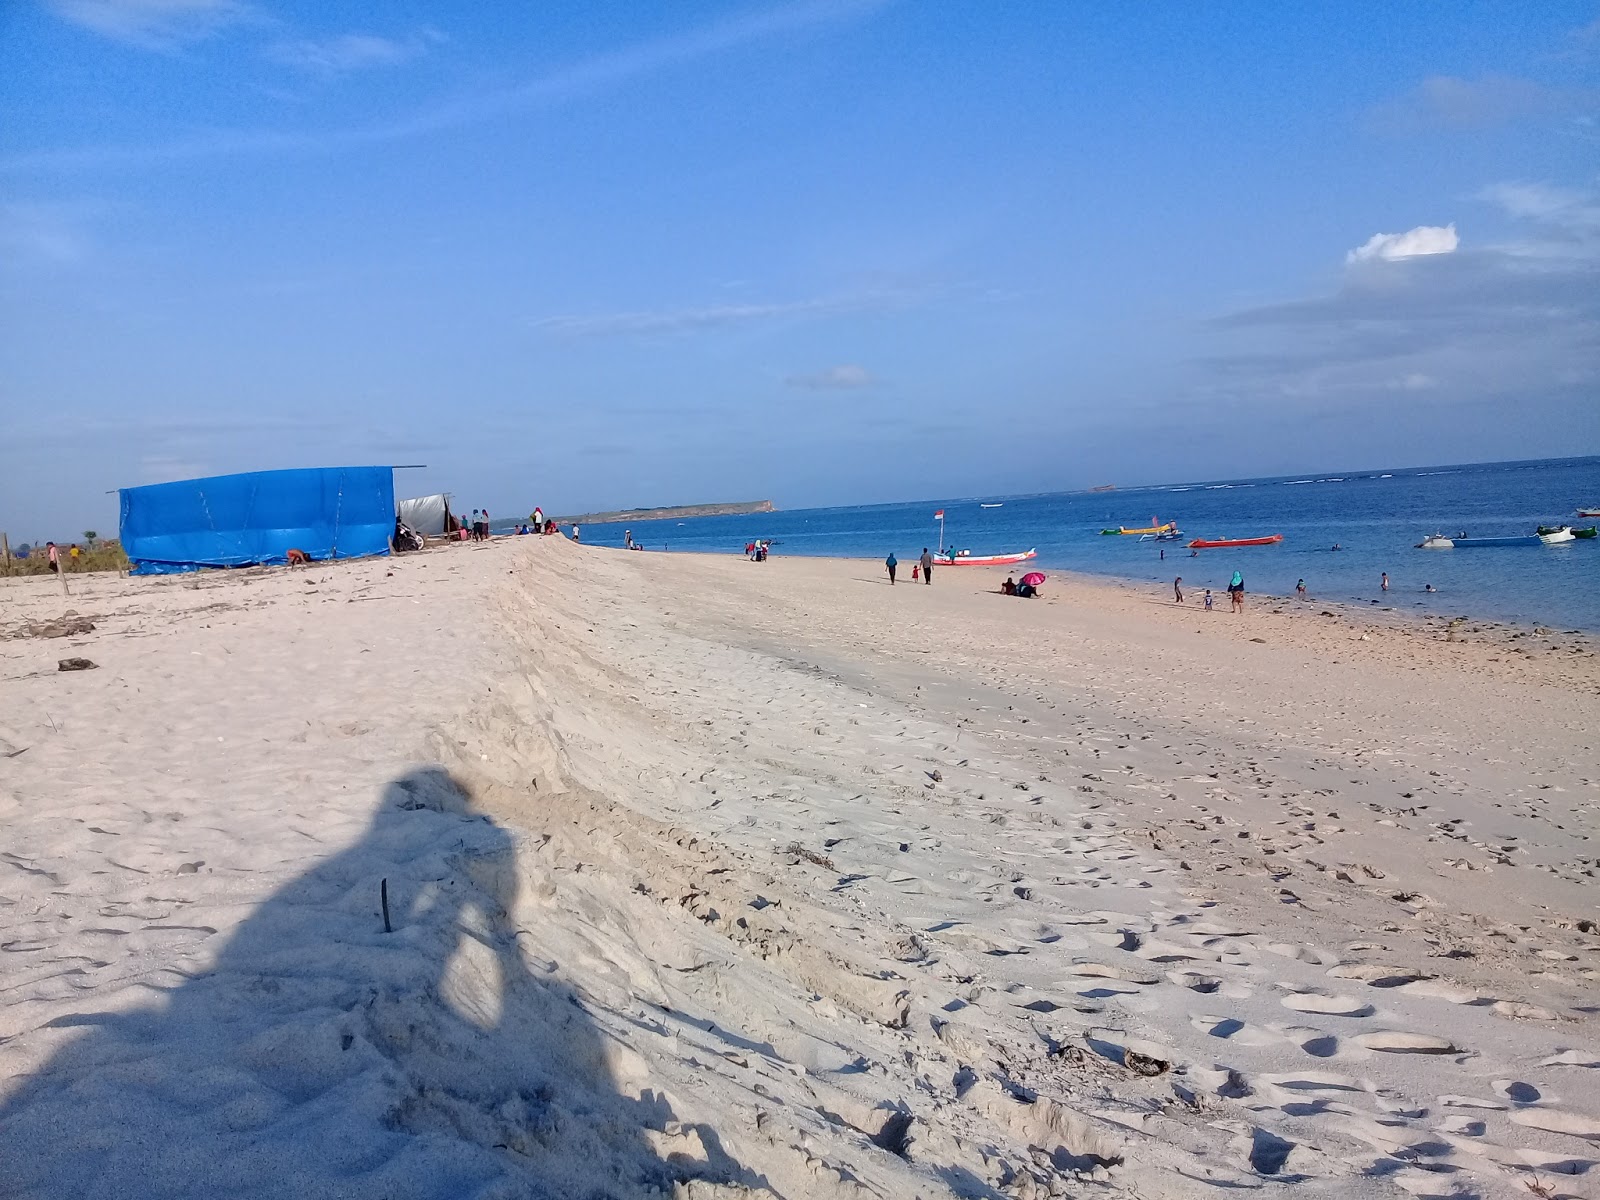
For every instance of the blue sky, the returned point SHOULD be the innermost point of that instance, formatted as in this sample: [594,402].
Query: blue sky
[600,254]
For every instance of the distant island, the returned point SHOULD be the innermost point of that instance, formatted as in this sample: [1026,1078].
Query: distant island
[678,512]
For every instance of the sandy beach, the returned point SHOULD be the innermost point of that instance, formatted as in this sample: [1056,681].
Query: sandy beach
[709,878]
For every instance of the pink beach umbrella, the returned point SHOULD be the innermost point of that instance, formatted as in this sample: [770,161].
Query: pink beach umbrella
[1033,578]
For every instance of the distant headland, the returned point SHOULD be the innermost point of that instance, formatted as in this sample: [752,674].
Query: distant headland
[677,512]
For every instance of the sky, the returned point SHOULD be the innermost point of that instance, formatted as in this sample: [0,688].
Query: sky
[594,254]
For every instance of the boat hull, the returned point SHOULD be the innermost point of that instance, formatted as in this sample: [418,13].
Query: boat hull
[1531,539]
[1224,543]
[985,560]
[1589,512]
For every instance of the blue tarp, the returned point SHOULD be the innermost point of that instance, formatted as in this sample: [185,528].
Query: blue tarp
[236,520]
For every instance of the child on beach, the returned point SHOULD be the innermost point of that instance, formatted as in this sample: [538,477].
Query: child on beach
[1208,599]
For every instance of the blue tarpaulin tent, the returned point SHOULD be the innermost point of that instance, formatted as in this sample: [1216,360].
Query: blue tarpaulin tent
[236,520]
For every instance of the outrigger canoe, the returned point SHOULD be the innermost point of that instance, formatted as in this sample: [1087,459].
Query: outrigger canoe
[1219,543]
[983,560]
[1165,527]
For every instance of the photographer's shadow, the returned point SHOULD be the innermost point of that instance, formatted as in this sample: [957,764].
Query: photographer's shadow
[323,1056]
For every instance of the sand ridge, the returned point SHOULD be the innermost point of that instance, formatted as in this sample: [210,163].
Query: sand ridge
[769,880]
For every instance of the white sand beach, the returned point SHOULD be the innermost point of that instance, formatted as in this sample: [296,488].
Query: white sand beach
[709,878]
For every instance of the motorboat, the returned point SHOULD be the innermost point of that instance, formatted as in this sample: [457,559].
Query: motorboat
[1437,542]
[1221,543]
[1556,536]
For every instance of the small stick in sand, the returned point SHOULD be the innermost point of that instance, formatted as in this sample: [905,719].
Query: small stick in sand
[383,893]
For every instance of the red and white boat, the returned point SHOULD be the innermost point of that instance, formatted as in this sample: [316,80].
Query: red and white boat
[1218,543]
[983,560]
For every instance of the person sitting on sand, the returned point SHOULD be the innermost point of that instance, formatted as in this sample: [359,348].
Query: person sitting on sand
[1009,587]
[1027,591]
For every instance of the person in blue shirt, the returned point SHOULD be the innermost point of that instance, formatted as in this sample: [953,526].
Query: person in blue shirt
[891,562]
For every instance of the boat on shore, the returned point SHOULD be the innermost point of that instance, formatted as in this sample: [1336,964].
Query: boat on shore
[1222,543]
[965,559]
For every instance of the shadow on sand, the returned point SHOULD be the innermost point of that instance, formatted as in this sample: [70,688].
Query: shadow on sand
[321,1056]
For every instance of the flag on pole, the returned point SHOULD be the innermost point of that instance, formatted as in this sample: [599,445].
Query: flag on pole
[939,516]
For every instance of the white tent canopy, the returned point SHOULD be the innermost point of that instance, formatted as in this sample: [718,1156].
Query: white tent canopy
[428,515]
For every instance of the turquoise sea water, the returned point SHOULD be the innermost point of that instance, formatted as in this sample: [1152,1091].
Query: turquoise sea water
[1376,516]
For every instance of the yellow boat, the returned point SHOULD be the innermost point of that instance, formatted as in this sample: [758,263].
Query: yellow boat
[1168,527]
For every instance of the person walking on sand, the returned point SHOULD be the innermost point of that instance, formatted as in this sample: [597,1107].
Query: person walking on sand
[1236,593]
[1177,590]
[926,563]
[74,554]
[53,552]
[1384,586]
[576,535]
[1300,589]
[891,562]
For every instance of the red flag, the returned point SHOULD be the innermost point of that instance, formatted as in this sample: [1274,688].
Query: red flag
[939,516]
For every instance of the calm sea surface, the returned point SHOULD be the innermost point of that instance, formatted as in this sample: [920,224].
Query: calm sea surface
[1376,516]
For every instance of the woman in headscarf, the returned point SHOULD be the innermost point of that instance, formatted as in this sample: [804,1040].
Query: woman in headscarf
[1236,592]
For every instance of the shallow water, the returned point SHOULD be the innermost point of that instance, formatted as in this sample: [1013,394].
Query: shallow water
[1376,516]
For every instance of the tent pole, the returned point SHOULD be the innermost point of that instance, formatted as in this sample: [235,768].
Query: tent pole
[6,542]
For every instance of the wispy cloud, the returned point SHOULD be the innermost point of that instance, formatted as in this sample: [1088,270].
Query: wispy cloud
[585,77]
[840,378]
[691,320]
[349,52]
[1424,239]
[42,232]
[153,24]
[1450,102]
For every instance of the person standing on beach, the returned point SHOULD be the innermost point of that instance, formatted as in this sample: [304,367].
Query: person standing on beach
[1300,589]
[54,554]
[891,562]
[486,524]
[538,519]
[74,554]
[627,538]
[1236,593]
[576,536]
[1177,590]
[926,563]
[1384,586]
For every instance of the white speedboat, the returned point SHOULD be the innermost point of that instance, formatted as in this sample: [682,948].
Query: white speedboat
[1437,542]
[1556,536]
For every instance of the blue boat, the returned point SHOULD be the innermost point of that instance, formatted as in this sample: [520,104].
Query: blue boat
[1532,539]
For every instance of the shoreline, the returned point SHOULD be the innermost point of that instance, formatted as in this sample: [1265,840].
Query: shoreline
[1495,633]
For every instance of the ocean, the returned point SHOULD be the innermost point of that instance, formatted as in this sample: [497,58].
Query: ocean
[1377,517]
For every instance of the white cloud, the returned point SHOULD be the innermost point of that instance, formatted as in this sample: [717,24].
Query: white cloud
[840,378]
[1424,239]
[348,52]
[153,24]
